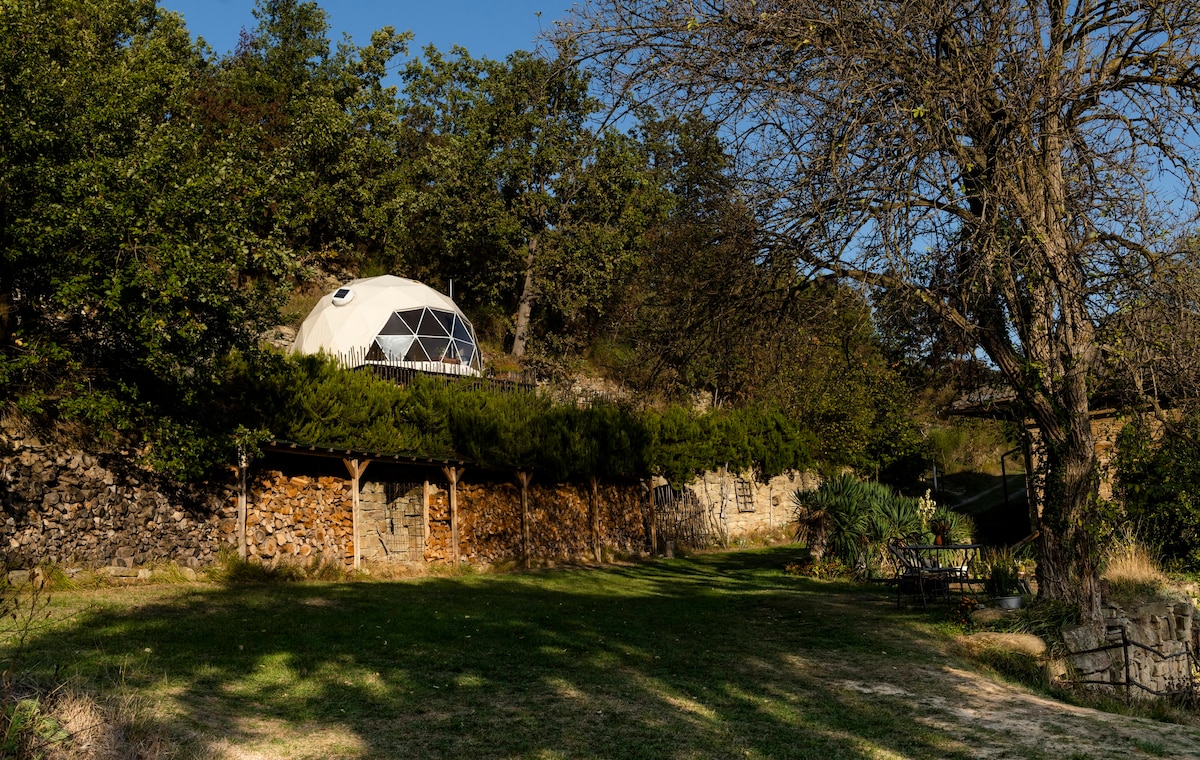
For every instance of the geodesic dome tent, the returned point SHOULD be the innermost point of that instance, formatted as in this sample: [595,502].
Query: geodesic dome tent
[394,322]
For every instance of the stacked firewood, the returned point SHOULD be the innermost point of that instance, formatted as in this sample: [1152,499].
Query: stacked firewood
[299,517]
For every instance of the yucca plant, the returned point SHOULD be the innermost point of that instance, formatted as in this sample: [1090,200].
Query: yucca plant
[855,520]
[832,516]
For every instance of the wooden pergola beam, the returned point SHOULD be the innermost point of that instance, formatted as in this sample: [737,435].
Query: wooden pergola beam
[453,474]
[356,468]
[523,478]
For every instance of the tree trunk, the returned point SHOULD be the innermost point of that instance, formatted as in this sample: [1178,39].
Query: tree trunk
[525,305]
[1068,560]
[6,307]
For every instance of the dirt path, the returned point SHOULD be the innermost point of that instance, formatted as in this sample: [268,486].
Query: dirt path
[1006,721]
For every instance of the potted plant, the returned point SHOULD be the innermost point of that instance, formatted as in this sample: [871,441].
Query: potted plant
[1003,582]
[940,527]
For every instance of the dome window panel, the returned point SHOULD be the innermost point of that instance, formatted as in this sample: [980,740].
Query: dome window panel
[435,348]
[396,326]
[395,347]
[445,318]
[412,318]
[466,351]
[416,353]
[430,325]
[462,331]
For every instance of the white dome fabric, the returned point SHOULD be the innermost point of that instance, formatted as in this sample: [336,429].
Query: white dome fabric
[391,321]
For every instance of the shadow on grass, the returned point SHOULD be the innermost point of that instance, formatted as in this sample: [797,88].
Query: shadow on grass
[711,656]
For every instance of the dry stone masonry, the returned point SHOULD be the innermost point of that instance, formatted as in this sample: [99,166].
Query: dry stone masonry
[65,506]
[1144,646]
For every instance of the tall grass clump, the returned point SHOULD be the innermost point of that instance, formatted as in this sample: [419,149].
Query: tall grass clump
[1132,570]
[230,569]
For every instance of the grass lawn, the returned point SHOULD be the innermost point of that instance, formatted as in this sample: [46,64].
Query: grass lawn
[712,656]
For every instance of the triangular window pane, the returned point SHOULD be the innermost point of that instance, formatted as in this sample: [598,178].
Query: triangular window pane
[466,351]
[430,325]
[395,346]
[416,353]
[446,318]
[435,348]
[462,331]
[396,326]
[412,318]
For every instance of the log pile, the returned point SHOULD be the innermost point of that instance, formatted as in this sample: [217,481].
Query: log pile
[560,523]
[438,542]
[62,505]
[65,506]
[624,518]
[299,518]
[491,522]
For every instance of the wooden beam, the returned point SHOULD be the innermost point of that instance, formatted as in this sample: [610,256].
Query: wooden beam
[594,503]
[523,478]
[356,468]
[653,521]
[452,474]
[425,520]
[243,466]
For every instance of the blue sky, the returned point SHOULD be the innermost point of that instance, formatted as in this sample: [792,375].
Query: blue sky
[486,28]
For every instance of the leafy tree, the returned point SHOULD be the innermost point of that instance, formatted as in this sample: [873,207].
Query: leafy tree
[510,194]
[154,204]
[989,161]
[1157,473]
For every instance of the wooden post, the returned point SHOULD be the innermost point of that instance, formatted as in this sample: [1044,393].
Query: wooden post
[523,478]
[653,521]
[356,468]
[595,505]
[425,519]
[770,505]
[453,474]
[243,465]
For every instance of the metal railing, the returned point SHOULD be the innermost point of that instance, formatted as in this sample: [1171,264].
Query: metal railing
[1182,688]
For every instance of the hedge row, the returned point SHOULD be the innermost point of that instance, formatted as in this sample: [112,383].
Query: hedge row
[315,402]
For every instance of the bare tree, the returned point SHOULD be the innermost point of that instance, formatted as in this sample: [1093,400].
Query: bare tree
[1012,164]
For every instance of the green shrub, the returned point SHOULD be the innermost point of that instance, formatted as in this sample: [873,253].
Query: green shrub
[1001,572]
[855,520]
[315,402]
[1158,479]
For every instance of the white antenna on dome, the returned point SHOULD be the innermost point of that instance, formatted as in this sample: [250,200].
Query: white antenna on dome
[451,288]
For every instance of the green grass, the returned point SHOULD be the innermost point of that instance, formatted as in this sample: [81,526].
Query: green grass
[710,656]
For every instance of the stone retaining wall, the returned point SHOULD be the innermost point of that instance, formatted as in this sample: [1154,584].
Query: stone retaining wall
[65,506]
[69,507]
[1166,627]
